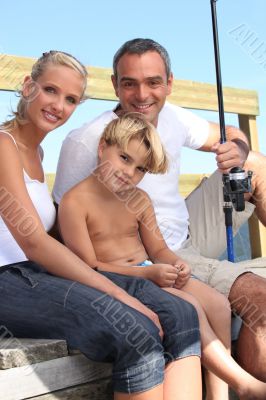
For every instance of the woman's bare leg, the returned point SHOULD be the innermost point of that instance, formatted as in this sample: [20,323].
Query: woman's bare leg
[216,358]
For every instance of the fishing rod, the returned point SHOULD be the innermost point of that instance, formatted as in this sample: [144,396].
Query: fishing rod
[237,181]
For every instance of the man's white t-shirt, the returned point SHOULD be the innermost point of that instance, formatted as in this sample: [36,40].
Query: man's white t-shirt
[177,127]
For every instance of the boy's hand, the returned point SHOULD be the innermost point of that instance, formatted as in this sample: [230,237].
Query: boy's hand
[184,273]
[164,275]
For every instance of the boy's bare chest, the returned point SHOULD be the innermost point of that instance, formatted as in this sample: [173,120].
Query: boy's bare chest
[112,220]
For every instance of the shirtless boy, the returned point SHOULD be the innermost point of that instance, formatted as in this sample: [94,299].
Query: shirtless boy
[111,225]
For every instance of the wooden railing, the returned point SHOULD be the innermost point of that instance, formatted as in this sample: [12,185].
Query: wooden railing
[189,94]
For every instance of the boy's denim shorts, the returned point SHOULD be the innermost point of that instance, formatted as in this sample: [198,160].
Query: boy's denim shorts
[37,304]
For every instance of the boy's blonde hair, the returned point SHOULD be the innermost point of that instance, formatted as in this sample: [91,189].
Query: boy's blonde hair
[128,126]
[54,58]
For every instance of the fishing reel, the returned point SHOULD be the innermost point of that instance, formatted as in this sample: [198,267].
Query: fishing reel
[235,185]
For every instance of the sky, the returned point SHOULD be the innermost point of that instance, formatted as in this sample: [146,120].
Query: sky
[93,30]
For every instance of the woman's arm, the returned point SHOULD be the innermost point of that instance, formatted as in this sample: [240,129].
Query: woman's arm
[37,245]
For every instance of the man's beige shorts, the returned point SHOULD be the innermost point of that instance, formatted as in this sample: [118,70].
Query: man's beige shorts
[208,237]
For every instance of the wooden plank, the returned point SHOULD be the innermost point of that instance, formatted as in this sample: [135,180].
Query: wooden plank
[186,93]
[16,352]
[203,96]
[48,376]
[257,237]
[100,390]
[50,181]
[189,182]
[12,71]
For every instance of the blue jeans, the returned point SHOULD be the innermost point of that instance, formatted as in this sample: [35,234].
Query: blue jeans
[37,304]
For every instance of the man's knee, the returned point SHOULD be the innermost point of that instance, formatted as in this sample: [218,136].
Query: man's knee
[247,298]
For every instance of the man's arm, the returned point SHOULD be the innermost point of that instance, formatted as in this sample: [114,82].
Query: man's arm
[231,154]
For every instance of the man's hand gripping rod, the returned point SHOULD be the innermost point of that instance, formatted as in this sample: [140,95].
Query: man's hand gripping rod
[237,182]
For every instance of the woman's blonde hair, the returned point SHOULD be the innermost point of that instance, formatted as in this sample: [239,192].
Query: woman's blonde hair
[128,126]
[52,57]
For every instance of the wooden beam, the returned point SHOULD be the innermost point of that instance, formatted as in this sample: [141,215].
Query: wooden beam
[189,94]
[48,376]
[189,182]
[203,96]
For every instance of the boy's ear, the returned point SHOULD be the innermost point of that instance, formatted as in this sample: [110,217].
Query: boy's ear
[101,147]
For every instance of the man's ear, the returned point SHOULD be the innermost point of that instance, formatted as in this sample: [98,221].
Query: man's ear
[170,84]
[114,82]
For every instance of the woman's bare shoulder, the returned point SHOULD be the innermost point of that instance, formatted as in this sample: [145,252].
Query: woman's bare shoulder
[6,137]
[10,161]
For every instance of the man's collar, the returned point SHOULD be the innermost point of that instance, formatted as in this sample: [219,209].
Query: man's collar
[117,108]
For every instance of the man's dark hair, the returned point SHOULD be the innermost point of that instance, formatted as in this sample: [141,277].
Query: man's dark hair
[141,46]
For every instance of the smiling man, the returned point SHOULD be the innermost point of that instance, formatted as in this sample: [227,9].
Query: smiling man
[142,84]
[194,228]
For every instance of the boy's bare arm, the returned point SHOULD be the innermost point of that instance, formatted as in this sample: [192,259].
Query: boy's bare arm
[151,236]
[160,253]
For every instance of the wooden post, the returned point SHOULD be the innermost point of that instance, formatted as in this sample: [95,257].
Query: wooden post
[257,231]
[248,124]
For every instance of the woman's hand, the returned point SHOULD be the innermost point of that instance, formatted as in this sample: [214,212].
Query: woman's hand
[137,305]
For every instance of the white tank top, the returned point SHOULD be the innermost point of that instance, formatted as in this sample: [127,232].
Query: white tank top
[10,252]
